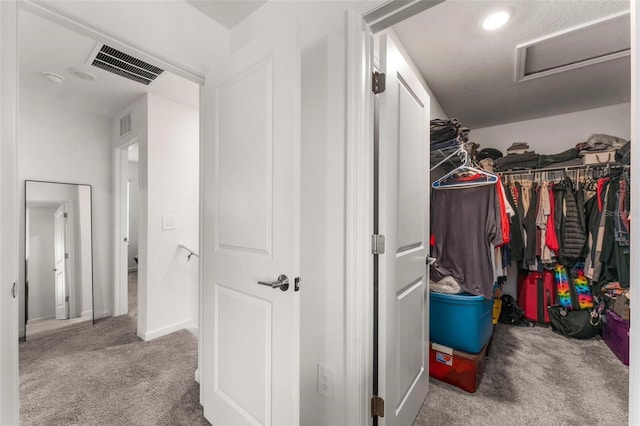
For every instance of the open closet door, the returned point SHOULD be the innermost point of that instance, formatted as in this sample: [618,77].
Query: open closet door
[251,232]
[403,218]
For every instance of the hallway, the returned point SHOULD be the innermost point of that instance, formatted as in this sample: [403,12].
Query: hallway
[103,374]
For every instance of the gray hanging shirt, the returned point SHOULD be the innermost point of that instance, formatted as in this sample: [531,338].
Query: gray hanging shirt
[463,223]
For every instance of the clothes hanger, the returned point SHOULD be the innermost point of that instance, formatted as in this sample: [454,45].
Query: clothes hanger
[477,177]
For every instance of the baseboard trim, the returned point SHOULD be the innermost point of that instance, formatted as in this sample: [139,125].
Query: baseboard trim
[159,332]
[197,375]
[105,314]
[40,319]
[194,330]
[88,313]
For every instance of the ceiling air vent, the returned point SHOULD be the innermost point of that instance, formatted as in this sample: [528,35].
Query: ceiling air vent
[125,124]
[588,44]
[117,62]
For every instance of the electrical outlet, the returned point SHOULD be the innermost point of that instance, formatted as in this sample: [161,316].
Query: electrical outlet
[325,381]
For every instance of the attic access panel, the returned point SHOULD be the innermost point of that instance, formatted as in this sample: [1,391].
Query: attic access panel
[124,65]
[588,44]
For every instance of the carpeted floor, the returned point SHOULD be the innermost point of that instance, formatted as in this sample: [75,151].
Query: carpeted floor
[536,377]
[103,374]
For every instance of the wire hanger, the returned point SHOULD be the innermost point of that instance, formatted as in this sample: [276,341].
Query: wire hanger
[477,177]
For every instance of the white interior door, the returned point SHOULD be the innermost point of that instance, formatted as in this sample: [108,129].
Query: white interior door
[250,161]
[60,250]
[403,218]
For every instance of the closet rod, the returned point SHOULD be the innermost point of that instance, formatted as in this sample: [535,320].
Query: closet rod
[566,169]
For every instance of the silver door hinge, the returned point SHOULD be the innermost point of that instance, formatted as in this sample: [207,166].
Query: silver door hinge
[378,82]
[66,298]
[296,284]
[66,215]
[377,244]
[377,407]
[66,255]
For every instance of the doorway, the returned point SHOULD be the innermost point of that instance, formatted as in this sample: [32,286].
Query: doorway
[77,102]
[133,194]
[377,26]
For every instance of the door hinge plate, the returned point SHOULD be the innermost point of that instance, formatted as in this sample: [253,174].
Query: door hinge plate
[377,244]
[296,285]
[377,407]
[66,255]
[378,82]
[66,298]
[66,215]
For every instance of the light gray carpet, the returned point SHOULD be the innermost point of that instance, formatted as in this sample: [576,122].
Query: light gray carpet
[536,377]
[103,374]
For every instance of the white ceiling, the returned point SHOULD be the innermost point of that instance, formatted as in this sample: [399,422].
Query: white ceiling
[227,12]
[48,47]
[471,71]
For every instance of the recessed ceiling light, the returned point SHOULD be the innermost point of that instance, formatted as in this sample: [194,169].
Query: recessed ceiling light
[54,78]
[83,74]
[496,20]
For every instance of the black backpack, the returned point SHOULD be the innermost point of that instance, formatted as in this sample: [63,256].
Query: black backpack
[513,314]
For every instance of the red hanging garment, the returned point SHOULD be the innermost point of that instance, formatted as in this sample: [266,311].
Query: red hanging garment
[551,239]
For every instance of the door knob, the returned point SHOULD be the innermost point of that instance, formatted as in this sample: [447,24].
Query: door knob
[282,283]
[54,269]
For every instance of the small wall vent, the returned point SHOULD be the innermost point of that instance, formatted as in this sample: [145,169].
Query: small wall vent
[588,44]
[125,124]
[117,62]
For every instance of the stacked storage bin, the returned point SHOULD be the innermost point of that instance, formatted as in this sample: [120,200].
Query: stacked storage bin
[616,335]
[460,326]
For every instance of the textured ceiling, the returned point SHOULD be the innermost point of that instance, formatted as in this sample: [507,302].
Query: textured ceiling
[471,71]
[48,47]
[227,12]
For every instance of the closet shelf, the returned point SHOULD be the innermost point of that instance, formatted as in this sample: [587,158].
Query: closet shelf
[450,155]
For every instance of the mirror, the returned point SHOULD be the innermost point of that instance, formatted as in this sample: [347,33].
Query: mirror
[58,256]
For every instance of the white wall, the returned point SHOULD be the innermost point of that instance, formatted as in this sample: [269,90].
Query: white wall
[67,146]
[168,137]
[41,263]
[172,189]
[134,186]
[322,224]
[551,135]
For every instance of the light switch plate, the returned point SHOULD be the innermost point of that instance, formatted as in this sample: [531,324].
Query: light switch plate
[168,222]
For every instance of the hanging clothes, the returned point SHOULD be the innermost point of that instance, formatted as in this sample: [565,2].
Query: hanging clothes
[529,191]
[551,238]
[464,225]
[516,246]
[573,235]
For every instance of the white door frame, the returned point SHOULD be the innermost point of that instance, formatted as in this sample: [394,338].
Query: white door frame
[9,211]
[9,194]
[120,178]
[363,20]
